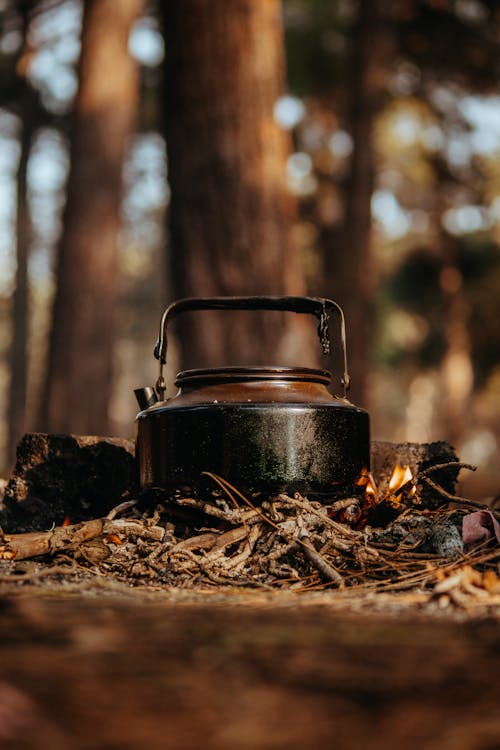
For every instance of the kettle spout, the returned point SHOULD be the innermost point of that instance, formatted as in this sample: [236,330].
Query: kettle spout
[146,396]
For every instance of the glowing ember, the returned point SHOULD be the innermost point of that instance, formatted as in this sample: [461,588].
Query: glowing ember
[354,511]
[366,480]
[371,490]
[113,538]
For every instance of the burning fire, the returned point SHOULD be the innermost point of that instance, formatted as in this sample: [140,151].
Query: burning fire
[400,476]
[366,480]
[67,521]
[357,511]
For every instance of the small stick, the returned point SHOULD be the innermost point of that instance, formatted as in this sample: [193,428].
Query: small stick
[324,568]
[230,537]
[233,516]
[202,541]
[448,465]
[449,496]
[338,544]
[281,551]
[237,560]
[341,504]
[228,488]
[133,528]
[120,508]
[204,567]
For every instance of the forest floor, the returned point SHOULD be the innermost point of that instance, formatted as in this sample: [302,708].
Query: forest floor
[90,662]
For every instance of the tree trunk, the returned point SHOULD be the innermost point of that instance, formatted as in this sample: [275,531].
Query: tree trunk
[79,377]
[18,349]
[457,375]
[18,355]
[229,212]
[348,258]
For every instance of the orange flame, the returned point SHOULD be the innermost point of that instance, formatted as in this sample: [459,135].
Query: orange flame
[67,521]
[366,480]
[399,477]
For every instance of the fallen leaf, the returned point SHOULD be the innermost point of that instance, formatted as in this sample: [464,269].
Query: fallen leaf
[479,526]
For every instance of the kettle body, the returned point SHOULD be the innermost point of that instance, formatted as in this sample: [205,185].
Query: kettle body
[262,429]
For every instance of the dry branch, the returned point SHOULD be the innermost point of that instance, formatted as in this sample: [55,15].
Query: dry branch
[38,543]
[326,571]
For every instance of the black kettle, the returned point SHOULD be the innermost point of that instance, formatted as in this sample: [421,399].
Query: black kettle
[264,429]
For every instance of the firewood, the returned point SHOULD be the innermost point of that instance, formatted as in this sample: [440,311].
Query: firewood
[56,476]
[38,543]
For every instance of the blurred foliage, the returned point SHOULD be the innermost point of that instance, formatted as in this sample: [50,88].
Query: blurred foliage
[432,55]
[414,288]
[480,265]
[317,35]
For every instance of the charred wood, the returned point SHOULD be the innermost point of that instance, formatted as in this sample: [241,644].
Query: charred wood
[56,476]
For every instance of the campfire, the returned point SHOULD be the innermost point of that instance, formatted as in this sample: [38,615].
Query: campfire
[254,477]
[394,538]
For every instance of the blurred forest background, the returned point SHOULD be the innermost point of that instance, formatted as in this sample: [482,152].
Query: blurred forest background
[329,147]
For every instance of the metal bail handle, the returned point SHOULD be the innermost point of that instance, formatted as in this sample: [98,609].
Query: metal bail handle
[317,306]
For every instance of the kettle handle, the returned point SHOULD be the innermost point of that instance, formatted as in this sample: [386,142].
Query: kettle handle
[317,306]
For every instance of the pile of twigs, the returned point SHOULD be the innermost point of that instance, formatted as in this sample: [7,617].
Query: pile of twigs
[278,542]
[296,543]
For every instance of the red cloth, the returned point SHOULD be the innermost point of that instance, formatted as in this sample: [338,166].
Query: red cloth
[479,526]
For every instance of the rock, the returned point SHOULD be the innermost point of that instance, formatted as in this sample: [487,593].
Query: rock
[56,476]
[445,537]
[434,534]
[418,456]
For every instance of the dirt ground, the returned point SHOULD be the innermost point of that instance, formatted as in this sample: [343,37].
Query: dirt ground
[121,669]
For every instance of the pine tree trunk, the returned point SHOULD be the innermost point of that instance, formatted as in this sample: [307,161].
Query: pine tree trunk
[18,355]
[18,359]
[79,377]
[457,374]
[348,258]
[229,211]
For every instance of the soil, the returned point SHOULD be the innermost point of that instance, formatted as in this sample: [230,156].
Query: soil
[108,667]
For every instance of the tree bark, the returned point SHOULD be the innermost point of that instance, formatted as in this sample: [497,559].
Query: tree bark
[348,270]
[18,355]
[457,374]
[79,377]
[18,359]
[229,211]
